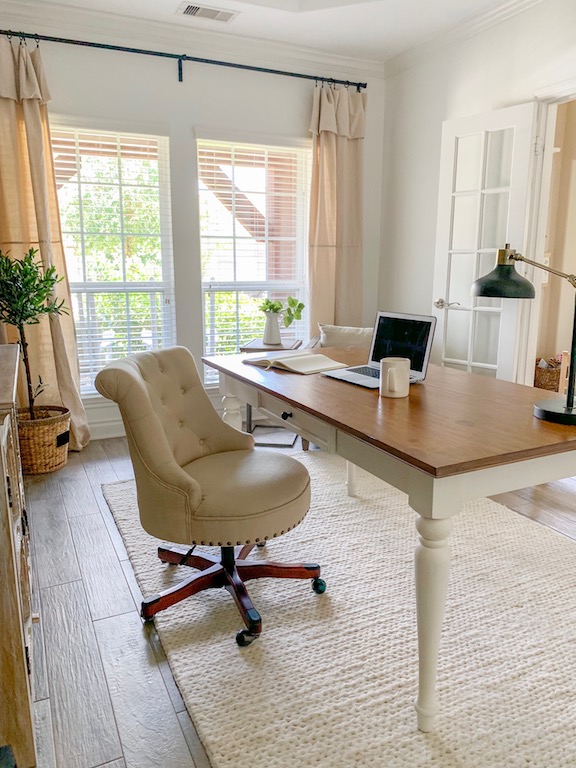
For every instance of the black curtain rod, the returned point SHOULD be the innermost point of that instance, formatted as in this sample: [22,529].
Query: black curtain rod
[180,58]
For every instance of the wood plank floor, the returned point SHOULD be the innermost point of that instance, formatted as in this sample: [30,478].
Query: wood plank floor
[104,692]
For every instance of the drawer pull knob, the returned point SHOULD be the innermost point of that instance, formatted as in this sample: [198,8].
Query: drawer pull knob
[286,415]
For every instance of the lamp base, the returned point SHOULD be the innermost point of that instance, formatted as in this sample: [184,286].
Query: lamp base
[556,411]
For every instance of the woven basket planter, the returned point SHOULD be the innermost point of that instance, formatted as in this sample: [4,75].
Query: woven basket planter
[43,440]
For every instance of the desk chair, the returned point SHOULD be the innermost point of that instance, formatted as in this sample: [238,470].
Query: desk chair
[199,481]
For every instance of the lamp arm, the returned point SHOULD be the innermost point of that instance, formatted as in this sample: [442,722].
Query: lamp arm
[518,257]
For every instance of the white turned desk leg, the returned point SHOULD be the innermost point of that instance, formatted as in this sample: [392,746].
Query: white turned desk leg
[232,414]
[350,478]
[432,564]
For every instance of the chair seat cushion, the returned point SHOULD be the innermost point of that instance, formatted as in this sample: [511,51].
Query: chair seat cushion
[247,496]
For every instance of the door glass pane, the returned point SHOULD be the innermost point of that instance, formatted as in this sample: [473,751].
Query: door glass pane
[491,372]
[461,277]
[468,162]
[494,220]
[485,341]
[457,331]
[499,158]
[486,263]
[465,215]
[456,366]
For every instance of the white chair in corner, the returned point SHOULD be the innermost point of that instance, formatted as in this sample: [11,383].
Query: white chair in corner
[343,336]
[199,481]
[564,369]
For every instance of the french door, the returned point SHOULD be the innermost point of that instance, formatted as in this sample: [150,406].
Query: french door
[486,166]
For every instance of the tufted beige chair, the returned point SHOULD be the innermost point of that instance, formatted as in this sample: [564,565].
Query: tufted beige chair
[199,481]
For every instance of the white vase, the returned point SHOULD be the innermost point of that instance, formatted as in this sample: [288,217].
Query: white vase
[272,329]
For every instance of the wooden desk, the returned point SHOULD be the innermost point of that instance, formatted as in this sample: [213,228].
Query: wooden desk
[457,437]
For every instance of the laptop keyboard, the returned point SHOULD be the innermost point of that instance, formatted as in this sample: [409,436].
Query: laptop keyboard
[366,370]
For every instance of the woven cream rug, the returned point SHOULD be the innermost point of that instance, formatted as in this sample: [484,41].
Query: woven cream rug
[332,680]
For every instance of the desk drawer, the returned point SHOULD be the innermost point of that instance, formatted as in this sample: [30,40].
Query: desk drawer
[316,431]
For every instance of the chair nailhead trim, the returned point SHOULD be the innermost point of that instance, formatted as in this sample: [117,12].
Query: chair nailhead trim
[248,541]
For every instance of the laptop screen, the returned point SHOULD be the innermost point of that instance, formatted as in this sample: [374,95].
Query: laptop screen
[401,335]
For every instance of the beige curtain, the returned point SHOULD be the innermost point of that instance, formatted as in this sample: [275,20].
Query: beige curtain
[336,211]
[29,218]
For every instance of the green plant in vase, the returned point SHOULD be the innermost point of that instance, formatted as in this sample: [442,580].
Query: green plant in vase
[274,310]
[26,294]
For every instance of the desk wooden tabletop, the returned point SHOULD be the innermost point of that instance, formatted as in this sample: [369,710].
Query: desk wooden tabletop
[453,422]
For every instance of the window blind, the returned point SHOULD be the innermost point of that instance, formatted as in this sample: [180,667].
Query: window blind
[114,198]
[253,228]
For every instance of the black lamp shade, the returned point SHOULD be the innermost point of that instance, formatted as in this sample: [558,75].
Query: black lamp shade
[503,283]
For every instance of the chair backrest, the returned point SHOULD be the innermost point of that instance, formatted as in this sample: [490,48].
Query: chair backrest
[169,422]
[345,336]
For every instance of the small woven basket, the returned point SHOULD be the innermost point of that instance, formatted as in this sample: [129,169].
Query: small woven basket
[43,440]
[547,378]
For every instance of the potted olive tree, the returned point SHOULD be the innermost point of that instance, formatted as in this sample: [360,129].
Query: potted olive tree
[26,294]
[276,310]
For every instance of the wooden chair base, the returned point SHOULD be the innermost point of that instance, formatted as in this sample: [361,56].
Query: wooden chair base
[230,571]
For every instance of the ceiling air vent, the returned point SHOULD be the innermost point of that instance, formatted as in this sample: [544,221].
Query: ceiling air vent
[204,12]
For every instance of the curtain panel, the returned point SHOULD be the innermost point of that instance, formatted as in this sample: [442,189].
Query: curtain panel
[29,218]
[336,208]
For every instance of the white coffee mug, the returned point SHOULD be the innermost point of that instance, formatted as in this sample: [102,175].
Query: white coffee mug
[394,376]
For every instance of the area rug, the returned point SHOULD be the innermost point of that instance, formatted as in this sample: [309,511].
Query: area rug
[273,437]
[332,680]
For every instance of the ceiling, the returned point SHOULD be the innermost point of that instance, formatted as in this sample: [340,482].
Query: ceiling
[370,30]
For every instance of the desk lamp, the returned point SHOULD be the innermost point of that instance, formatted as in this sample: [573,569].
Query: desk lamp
[504,282]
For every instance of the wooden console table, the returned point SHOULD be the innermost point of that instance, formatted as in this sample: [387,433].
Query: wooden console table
[16,698]
[457,437]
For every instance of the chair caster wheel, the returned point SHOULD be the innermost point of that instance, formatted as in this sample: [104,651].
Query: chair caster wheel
[319,586]
[244,638]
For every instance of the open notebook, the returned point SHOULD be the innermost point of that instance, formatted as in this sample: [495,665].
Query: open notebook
[297,362]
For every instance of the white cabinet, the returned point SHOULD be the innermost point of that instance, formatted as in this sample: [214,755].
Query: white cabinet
[16,715]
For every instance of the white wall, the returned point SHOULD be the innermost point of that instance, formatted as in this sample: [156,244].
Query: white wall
[121,91]
[501,66]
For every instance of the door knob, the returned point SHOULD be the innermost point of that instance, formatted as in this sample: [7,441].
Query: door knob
[442,303]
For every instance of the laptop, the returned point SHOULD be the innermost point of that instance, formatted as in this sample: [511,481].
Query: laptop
[395,335]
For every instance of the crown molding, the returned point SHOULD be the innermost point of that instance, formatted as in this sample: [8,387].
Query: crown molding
[562,91]
[457,34]
[95,26]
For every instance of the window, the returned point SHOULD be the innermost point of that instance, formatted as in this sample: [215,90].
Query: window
[253,228]
[114,197]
